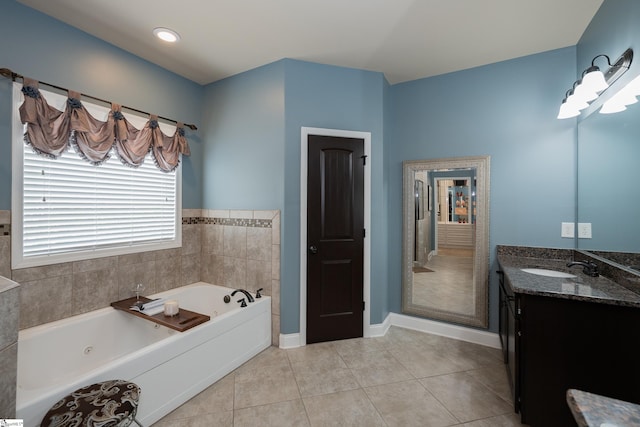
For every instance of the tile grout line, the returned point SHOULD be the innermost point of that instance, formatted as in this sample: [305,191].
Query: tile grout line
[233,400]
[306,412]
[364,390]
[460,422]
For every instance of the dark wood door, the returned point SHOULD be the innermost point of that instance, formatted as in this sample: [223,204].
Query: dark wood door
[335,235]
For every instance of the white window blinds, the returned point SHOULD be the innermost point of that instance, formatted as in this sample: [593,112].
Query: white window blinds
[68,209]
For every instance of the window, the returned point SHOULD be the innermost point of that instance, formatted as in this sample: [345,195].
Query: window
[66,209]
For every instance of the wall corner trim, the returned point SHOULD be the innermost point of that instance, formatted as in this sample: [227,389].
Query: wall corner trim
[379,329]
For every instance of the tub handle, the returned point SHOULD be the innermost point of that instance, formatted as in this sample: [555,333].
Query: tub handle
[258,293]
[243,302]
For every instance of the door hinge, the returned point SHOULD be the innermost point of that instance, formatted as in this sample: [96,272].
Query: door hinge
[364,232]
[364,160]
[363,305]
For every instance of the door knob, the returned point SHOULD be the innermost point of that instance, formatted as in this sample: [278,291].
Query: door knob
[313,249]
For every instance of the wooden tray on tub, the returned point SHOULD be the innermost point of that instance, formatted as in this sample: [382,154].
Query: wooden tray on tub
[181,322]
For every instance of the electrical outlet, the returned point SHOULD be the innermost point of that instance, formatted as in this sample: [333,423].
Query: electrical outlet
[584,230]
[568,230]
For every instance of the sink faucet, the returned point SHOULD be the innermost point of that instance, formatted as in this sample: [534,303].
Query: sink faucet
[247,294]
[588,267]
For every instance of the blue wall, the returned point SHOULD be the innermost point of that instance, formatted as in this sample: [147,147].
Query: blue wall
[508,111]
[335,98]
[243,120]
[48,50]
[252,153]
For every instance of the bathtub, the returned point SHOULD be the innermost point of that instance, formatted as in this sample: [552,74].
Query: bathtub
[169,366]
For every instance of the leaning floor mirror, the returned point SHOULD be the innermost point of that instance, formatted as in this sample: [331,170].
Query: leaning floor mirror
[446,239]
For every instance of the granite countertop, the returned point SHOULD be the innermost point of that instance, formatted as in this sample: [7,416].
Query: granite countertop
[582,287]
[592,410]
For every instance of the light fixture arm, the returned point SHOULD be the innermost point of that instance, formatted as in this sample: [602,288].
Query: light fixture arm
[602,55]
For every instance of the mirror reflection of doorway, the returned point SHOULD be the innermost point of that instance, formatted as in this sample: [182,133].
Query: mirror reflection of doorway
[445,242]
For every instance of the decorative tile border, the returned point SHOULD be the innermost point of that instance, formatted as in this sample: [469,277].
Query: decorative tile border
[5,229]
[236,222]
[192,220]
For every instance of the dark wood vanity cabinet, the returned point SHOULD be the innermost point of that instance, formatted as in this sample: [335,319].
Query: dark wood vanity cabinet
[564,343]
[508,337]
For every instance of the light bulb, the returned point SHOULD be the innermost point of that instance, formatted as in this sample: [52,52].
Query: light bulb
[611,107]
[626,96]
[583,93]
[567,111]
[594,81]
[576,102]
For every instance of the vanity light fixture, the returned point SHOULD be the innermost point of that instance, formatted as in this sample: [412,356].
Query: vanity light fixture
[592,83]
[166,34]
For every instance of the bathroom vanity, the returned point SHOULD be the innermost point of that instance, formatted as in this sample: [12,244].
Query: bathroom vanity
[564,333]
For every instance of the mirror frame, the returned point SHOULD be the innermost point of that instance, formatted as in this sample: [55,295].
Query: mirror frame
[480,316]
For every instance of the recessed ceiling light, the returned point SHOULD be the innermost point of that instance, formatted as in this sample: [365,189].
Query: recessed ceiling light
[166,34]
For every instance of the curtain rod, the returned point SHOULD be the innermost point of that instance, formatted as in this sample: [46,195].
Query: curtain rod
[5,72]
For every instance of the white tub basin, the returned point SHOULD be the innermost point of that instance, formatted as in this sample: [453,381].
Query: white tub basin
[548,273]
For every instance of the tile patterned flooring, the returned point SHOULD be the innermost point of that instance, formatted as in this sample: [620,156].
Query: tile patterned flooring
[405,378]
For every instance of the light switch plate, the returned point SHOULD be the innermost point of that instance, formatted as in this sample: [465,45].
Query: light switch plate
[568,230]
[584,230]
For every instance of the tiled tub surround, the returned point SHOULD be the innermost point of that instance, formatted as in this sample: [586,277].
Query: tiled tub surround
[604,289]
[9,315]
[234,248]
[241,249]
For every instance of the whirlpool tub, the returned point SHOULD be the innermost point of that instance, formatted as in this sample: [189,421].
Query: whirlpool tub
[169,366]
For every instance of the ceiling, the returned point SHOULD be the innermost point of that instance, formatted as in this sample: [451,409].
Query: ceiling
[404,39]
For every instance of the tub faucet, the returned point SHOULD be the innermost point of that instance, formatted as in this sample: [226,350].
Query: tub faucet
[247,294]
[588,267]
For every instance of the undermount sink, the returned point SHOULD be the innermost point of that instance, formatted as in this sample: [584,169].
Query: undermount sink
[548,273]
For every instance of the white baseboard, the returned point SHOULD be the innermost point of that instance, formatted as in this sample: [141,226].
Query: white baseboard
[290,340]
[448,330]
[380,329]
[294,340]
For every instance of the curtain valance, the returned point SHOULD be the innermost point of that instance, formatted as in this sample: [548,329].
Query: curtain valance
[49,132]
